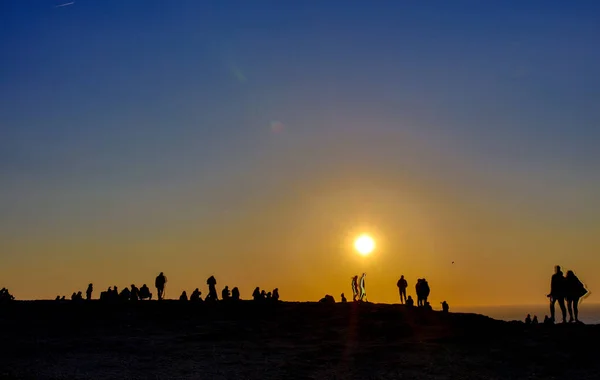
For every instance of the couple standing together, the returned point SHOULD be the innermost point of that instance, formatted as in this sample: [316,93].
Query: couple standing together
[569,288]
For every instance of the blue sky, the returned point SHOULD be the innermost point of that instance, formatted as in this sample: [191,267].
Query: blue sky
[123,120]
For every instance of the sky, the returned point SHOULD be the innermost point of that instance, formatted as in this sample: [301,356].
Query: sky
[255,140]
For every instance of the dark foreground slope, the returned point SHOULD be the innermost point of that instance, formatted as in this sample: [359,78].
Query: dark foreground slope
[43,340]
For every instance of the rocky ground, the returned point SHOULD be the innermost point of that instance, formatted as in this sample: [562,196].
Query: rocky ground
[173,340]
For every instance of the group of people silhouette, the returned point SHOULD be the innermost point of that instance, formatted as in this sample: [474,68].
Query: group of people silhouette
[562,288]
[422,290]
[143,293]
[568,288]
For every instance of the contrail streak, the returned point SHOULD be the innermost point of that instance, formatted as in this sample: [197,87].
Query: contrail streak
[65,4]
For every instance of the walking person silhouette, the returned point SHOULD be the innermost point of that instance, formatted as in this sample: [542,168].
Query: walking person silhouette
[363,290]
[160,283]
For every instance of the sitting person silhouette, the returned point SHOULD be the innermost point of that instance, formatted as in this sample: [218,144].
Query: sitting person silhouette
[145,292]
[125,295]
[327,299]
[275,294]
[535,320]
[196,295]
[256,294]
[410,302]
[343,297]
[235,294]
[183,296]
[135,293]
[212,289]
[225,294]
[445,307]
[528,319]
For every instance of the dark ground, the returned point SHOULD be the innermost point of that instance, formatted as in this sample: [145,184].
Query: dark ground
[170,340]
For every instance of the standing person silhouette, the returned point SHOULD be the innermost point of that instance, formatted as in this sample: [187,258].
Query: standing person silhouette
[363,290]
[402,285]
[558,293]
[574,290]
[160,283]
[88,292]
[354,288]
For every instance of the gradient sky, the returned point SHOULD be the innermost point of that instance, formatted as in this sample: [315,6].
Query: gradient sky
[253,140]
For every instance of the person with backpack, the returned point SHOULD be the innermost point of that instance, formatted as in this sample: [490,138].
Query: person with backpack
[574,290]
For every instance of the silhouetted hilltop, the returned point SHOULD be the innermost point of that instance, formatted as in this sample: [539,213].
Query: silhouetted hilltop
[171,339]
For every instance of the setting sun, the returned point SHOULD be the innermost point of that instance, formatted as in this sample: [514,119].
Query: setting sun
[364,244]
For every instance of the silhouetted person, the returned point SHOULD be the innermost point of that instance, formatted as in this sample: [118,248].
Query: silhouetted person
[363,288]
[235,294]
[160,283]
[74,296]
[445,307]
[5,295]
[196,295]
[125,295]
[263,295]
[427,306]
[107,295]
[114,295]
[57,298]
[574,290]
[145,292]
[212,289]
[419,291]
[410,302]
[535,320]
[256,294]
[135,293]
[343,297]
[275,294]
[183,296]
[528,319]
[426,290]
[355,290]
[225,294]
[64,298]
[557,293]
[548,320]
[402,285]
[89,291]
[327,299]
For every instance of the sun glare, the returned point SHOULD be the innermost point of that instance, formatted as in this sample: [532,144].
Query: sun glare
[364,244]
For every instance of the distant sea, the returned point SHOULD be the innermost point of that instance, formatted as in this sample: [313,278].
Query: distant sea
[589,313]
